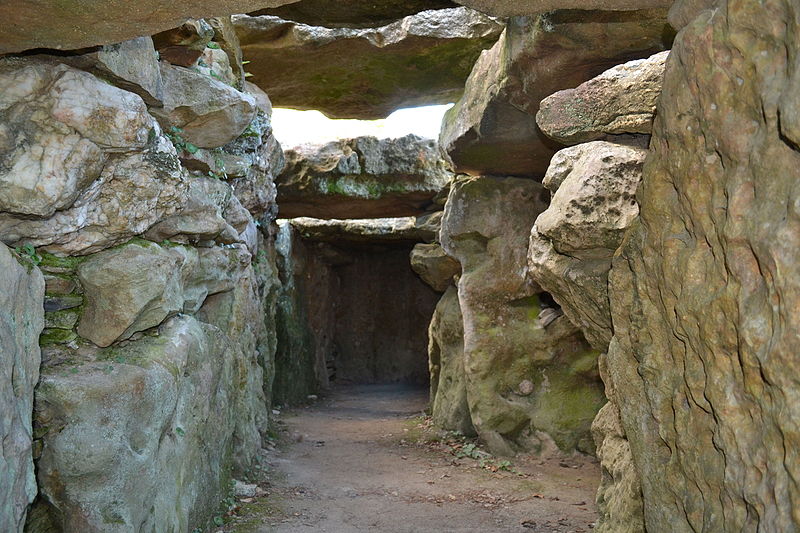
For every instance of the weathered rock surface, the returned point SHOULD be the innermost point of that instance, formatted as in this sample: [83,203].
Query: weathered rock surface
[511,8]
[434,266]
[247,316]
[184,45]
[21,322]
[572,243]
[209,112]
[363,177]
[136,287]
[132,193]
[305,327]
[60,25]
[683,12]
[366,231]
[58,127]
[212,213]
[492,129]
[334,323]
[350,73]
[131,65]
[704,289]
[619,496]
[486,227]
[261,161]
[620,100]
[449,404]
[153,448]
[352,14]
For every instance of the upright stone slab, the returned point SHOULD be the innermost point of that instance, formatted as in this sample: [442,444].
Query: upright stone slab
[705,289]
[449,404]
[21,322]
[531,383]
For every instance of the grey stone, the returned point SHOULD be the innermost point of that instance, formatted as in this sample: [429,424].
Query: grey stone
[363,177]
[21,322]
[208,112]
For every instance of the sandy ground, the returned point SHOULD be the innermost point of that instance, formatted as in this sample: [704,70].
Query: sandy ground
[365,459]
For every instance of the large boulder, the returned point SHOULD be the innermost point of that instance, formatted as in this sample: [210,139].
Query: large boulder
[362,178]
[139,437]
[65,26]
[511,8]
[352,14]
[620,100]
[21,322]
[136,287]
[207,112]
[492,129]
[573,241]
[58,126]
[530,381]
[365,73]
[704,290]
[448,397]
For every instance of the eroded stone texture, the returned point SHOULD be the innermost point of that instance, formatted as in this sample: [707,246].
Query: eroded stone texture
[486,227]
[434,266]
[704,290]
[511,8]
[449,405]
[352,14]
[131,65]
[573,241]
[363,177]
[620,100]
[212,213]
[365,231]
[368,73]
[184,45]
[21,322]
[57,128]
[209,112]
[247,316]
[153,448]
[64,26]
[132,193]
[492,129]
[136,287]
[262,160]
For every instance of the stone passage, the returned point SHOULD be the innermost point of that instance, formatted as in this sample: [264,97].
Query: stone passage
[596,261]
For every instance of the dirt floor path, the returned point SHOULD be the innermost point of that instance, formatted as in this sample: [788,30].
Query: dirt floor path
[366,459]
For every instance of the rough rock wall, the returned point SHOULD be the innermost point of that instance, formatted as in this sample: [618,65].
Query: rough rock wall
[703,291]
[353,312]
[134,186]
[21,322]
[383,310]
[306,322]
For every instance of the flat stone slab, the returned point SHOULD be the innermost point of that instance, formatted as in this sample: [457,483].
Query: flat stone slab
[363,177]
[423,59]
